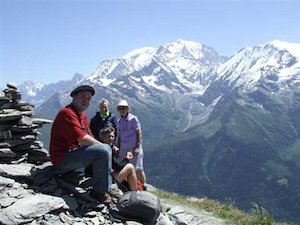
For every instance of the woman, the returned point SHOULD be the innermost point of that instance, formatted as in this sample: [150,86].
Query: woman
[130,139]
[103,118]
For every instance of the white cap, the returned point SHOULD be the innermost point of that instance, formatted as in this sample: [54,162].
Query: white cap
[123,103]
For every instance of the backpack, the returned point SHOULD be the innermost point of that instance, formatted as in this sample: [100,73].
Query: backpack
[140,206]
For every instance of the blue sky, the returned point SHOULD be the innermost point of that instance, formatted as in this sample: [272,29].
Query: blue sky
[51,40]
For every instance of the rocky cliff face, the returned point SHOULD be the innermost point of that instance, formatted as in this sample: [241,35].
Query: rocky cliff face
[31,194]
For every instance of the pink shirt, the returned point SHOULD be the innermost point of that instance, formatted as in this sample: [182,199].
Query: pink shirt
[127,129]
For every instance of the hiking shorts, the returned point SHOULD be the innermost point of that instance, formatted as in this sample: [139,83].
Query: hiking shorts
[137,160]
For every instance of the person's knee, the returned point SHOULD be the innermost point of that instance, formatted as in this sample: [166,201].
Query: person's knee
[103,150]
[130,167]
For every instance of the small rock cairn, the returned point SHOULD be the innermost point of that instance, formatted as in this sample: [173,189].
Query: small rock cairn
[31,194]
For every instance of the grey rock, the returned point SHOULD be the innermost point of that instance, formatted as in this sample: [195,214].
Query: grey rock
[5,202]
[41,121]
[27,137]
[24,129]
[7,153]
[176,210]
[6,182]
[25,121]
[13,143]
[22,147]
[6,134]
[12,85]
[4,144]
[9,115]
[5,126]
[132,223]
[95,221]
[37,144]
[8,105]
[20,170]
[66,219]
[27,209]
[9,111]
[25,107]
[42,152]
[51,219]
[163,220]
[17,192]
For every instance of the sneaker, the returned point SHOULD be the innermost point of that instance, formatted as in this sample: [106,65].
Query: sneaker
[101,197]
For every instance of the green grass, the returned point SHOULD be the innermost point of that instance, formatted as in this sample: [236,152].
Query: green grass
[230,214]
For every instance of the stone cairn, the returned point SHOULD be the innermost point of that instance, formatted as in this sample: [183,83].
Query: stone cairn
[31,194]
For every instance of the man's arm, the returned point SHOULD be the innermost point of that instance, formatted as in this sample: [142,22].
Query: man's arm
[87,140]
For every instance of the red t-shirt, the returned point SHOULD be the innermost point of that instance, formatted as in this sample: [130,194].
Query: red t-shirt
[67,128]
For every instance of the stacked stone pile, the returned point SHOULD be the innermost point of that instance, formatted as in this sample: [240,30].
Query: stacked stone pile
[18,130]
[31,194]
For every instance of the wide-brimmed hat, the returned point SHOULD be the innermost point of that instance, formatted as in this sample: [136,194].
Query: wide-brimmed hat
[83,88]
[123,103]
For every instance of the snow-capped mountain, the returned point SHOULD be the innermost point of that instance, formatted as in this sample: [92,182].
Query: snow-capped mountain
[272,69]
[232,123]
[181,66]
[189,78]
[273,63]
[30,88]
[37,93]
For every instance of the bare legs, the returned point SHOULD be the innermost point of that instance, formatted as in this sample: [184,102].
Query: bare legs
[141,176]
[128,172]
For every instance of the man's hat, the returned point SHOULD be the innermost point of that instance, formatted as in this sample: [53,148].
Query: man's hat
[83,88]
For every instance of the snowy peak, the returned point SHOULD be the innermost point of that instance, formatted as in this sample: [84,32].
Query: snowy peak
[140,54]
[31,88]
[292,48]
[186,63]
[112,69]
[38,93]
[184,48]
[250,65]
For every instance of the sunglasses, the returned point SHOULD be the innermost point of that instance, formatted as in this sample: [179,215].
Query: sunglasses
[122,108]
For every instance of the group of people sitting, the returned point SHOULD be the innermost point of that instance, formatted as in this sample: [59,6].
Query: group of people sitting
[107,148]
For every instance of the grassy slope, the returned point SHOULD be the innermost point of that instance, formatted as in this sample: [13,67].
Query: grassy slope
[228,213]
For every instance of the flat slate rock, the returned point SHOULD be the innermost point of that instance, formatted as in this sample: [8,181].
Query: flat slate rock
[27,209]
[9,116]
[6,182]
[6,134]
[41,120]
[16,170]
[7,153]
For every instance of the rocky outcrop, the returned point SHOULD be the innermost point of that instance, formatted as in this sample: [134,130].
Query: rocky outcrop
[31,194]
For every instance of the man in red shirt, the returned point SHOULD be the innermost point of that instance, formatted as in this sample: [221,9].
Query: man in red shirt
[72,145]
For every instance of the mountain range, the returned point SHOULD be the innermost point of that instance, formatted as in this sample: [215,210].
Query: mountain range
[222,127]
